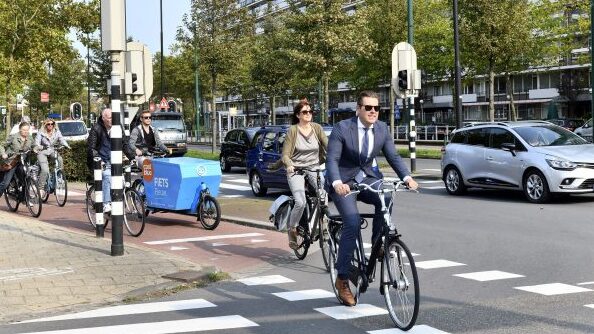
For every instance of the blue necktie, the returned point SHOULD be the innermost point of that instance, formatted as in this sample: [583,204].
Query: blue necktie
[364,147]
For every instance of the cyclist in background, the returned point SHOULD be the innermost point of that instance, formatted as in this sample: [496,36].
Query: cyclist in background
[304,147]
[15,143]
[47,136]
[145,139]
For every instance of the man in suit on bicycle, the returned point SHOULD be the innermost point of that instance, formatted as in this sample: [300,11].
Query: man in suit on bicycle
[352,148]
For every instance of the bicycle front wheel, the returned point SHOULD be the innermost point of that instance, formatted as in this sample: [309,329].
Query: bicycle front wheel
[61,188]
[32,198]
[133,212]
[12,196]
[400,284]
[209,212]
[324,236]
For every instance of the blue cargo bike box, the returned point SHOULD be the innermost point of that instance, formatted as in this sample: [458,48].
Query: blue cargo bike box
[175,183]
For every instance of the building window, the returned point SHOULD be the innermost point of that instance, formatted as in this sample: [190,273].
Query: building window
[436,90]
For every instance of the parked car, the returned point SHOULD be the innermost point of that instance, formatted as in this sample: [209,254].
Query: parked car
[585,130]
[265,149]
[234,148]
[73,130]
[536,157]
[568,123]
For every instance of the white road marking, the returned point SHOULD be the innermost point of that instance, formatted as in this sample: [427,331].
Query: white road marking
[431,181]
[304,295]
[553,289]
[165,327]
[483,276]
[432,169]
[213,237]
[219,244]
[75,193]
[177,248]
[589,305]
[265,280]
[23,273]
[244,181]
[401,252]
[586,283]
[346,312]
[419,329]
[256,241]
[132,309]
[231,196]
[433,187]
[433,264]
[234,187]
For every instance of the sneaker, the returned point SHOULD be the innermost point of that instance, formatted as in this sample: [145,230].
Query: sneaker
[293,238]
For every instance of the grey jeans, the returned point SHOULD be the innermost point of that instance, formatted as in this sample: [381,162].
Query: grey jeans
[297,186]
[43,159]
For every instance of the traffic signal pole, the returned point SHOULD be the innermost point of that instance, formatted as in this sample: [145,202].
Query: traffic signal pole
[411,99]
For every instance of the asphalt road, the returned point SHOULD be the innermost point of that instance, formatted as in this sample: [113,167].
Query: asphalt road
[489,262]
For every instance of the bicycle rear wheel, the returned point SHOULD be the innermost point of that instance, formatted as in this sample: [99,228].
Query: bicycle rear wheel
[209,212]
[302,239]
[133,212]
[61,188]
[12,195]
[400,284]
[90,207]
[32,198]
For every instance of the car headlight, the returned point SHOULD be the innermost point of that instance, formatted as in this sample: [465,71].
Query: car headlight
[561,164]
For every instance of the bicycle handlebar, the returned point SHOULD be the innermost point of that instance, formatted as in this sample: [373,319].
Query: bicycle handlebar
[386,187]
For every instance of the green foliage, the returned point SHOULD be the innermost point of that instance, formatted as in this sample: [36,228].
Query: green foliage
[75,161]
[202,155]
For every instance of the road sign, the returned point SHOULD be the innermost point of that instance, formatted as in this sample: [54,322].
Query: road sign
[151,106]
[163,104]
[3,110]
[44,97]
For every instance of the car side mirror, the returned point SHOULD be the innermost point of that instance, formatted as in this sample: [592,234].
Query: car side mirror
[510,147]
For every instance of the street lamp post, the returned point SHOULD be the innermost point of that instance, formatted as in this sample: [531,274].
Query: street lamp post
[458,81]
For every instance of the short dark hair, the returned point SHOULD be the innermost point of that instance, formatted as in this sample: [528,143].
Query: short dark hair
[23,124]
[297,109]
[145,112]
[366,93]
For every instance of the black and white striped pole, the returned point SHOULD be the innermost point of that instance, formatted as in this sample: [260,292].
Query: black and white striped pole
[113,40]
[98,177]
[412,134]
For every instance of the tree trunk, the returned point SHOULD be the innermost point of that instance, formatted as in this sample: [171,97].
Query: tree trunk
[326,106]
[213,112]
[491,94]
[272,110]
[510,91]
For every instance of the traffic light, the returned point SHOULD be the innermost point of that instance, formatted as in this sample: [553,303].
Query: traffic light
[130,83]
[172,105]
[76,110]
[403,80]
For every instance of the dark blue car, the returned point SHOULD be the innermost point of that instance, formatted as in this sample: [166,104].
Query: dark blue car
[265,149]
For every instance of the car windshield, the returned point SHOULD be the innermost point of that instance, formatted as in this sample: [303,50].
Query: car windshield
[168,122]
[72,128]
[548,135]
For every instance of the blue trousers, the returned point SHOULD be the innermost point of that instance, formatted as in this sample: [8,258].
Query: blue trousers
[347,208]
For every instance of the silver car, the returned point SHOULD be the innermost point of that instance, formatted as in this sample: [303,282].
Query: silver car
[536,157]
[585,130]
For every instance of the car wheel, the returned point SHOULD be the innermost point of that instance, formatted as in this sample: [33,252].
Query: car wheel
[536,187]
[225,167]
[453,181]
[258,187]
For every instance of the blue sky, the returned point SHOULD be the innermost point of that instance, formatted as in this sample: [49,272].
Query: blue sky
[143,22]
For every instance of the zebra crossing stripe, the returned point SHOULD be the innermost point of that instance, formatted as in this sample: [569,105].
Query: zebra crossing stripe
[351,312]
[214,237]
[165,327]
[419,329]
[234,187]
[244,181]
[265,280]
[133,309]
[304,294]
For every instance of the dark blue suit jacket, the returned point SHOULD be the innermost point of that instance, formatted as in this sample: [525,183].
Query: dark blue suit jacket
[343,163]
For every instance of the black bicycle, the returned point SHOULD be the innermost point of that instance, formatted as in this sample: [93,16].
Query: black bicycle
[399,282]
[312,226]
[56,181]
[23,187]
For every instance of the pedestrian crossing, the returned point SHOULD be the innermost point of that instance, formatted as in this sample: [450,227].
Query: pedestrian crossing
[257,291]
[237,186]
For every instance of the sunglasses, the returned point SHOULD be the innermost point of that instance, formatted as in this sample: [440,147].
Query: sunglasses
[369,108]
[52,124]
[147,117]
[307,112]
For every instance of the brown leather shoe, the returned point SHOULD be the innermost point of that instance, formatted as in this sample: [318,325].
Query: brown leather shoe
[344,292]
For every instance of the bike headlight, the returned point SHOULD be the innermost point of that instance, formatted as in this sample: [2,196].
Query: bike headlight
[559,163]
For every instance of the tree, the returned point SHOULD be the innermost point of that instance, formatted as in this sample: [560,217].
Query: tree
[504,47]
[323,39]
[219,29]
[31,32]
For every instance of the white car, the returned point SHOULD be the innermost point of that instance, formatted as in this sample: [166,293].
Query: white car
[73,130]
[32,129]
[585,130]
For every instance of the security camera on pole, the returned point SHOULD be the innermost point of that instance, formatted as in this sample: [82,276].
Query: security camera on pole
[113,27]
[406,82]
